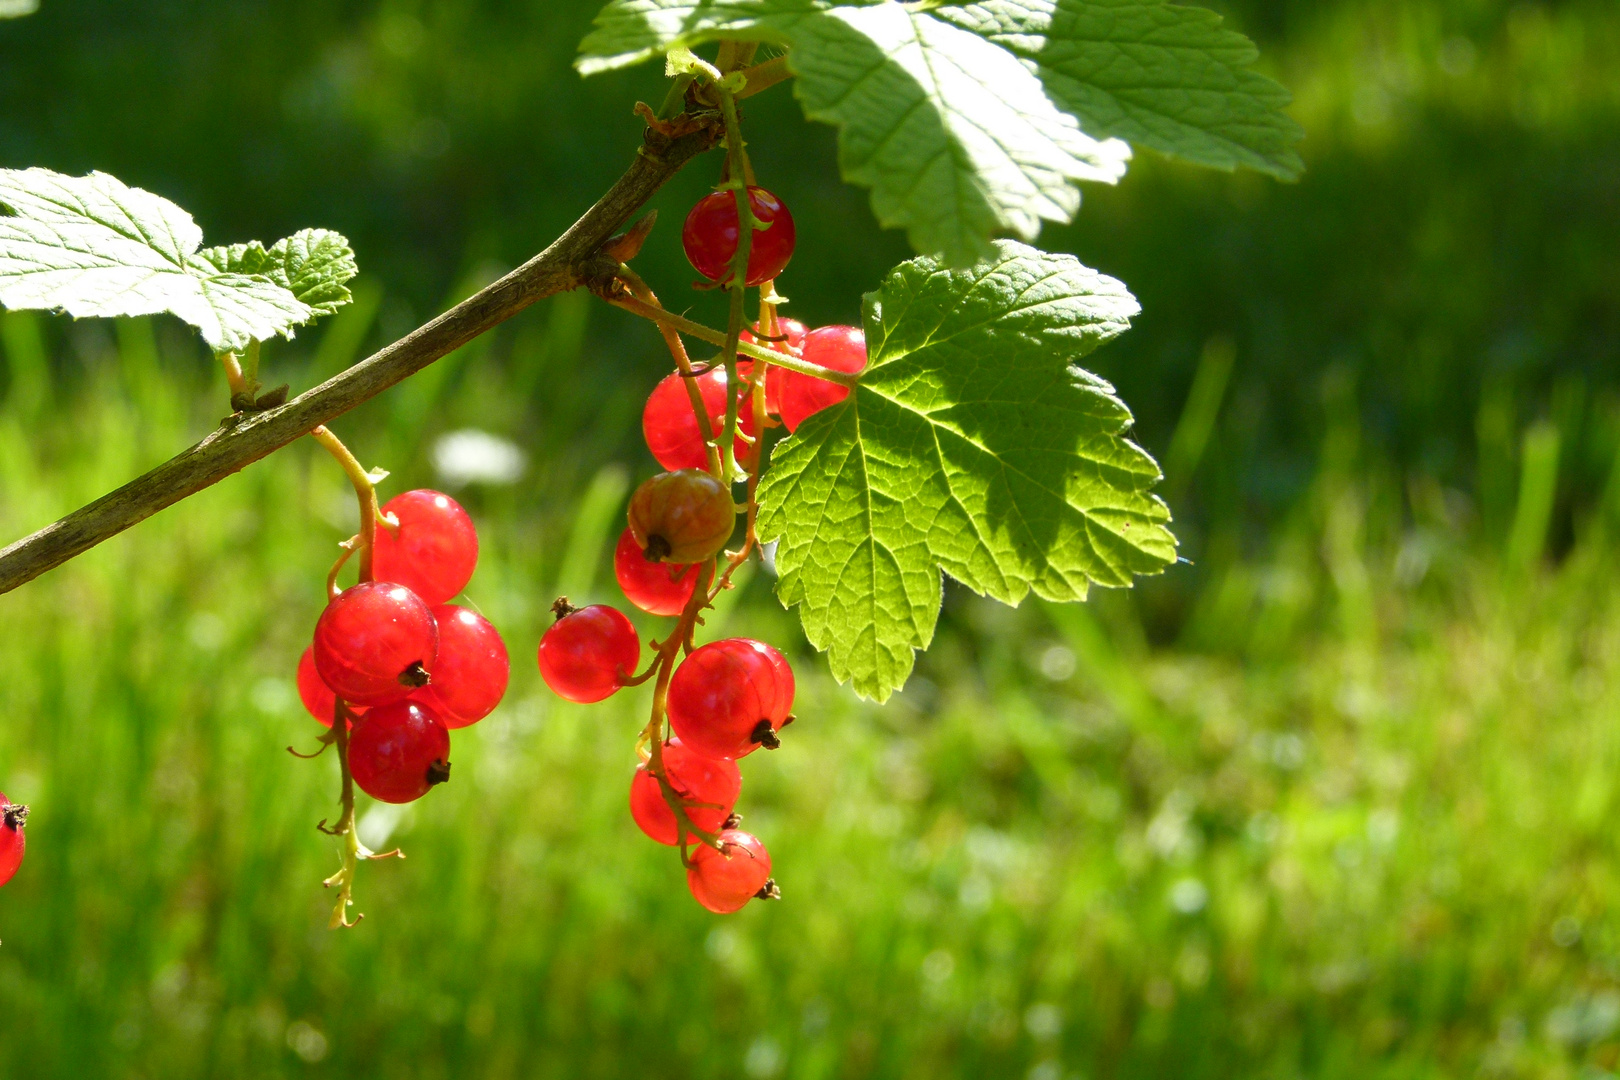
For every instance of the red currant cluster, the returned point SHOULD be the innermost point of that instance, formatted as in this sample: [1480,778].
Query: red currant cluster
[723,700]
[405,666]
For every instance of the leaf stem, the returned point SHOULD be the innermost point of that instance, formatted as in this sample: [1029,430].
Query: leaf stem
[675,101]
[715,337]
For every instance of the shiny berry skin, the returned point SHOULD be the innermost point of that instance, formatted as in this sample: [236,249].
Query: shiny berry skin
[13,840]
[708,786]
[317,697]
[710,236]
[724,881]
[434,550]
[587,653]
[730,697]
[469,677]
[658,588]
[671,428]
[684,516]
[841,348]
[399,751]
[794,331]
[375,643]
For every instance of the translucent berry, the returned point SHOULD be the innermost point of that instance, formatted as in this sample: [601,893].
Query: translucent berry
[731,697]
[724,881]
[658,588]
[588,652]
[671,428]
[399,751]
[841,348]
[469,677]
[682,517]
[375,643]
[12,838]
[708,787]
[710,236]
[434,550]
[315,694]
[793,330]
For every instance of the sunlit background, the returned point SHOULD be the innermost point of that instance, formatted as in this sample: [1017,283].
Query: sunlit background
[1337,799]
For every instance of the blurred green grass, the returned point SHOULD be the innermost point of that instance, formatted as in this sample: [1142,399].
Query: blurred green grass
[1333,801]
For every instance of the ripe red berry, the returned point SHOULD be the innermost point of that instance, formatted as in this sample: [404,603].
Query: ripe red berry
[658,588]
[794,331]
[671,428]
[841,348]
[375,643]
[730,697]
[708,787]
[12,838]
[399,751]
[724,881]
[316,695]
[684,516]
[434,550]
[588,652]
[710,235]
[469,677]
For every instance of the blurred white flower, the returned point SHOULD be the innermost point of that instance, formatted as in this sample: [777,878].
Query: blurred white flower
[477,457]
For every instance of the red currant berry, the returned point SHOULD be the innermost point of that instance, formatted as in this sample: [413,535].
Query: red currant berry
[707,786]
[671,428]
[588,652]
[434,550]
[710,235]
[794,331]
[12,838]
[841,348]
[375,643]
[657,588]
[469,677]
[730,697]
[399,751]
[316,695]
[684,516]
[724,881]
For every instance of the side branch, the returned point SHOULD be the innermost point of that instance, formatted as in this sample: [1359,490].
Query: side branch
[572,260]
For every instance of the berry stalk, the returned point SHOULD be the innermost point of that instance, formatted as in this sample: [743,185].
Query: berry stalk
[683,363]
[653,734]
[739,179]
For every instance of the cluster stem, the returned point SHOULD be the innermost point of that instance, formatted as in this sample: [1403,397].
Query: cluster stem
[365,490]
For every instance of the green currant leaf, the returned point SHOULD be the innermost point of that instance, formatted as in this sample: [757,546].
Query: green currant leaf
[92,247]
[954,135]
[314,265]
[1155,74]
[974,120]
[630,31]
[972,445]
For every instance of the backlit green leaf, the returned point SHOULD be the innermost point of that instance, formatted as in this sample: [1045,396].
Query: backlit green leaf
[1155,74]
[972,445]
[314,265]
[91,246]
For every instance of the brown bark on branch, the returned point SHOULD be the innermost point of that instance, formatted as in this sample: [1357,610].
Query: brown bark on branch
[573,259]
